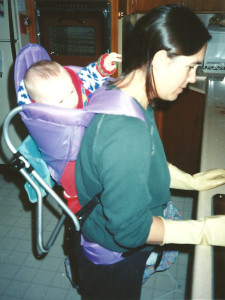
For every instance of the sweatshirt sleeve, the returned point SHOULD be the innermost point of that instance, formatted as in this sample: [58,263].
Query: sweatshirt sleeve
[91,77]
[123,160]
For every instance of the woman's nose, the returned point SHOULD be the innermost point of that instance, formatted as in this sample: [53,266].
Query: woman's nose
[192,76]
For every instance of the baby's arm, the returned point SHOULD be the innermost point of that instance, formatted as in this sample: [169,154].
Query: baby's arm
[107,63]
[91,75]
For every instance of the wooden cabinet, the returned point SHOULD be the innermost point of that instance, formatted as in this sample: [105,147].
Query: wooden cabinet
[207,6]
[180,125]
[142,6]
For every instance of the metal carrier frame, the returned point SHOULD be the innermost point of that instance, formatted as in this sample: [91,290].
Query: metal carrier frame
[22,165]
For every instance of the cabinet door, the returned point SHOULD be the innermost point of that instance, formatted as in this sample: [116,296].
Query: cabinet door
[207,5]
[141,6]
[180,128]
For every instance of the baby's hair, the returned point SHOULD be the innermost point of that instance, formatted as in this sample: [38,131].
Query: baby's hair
[41,70]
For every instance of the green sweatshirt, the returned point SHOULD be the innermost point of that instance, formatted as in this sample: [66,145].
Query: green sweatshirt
[123,158]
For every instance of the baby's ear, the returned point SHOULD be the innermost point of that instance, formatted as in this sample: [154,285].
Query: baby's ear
[160,59]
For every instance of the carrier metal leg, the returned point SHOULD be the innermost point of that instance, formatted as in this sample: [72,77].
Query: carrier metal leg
[29,173]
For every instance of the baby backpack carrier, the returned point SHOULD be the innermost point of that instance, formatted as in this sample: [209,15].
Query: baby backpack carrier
[55,136]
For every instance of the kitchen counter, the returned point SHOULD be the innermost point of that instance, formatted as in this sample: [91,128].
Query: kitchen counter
[213,156]
[219,253]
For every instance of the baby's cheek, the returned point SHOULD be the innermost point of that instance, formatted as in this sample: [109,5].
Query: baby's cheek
[75,100]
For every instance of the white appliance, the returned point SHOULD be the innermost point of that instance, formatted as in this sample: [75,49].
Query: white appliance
[213,153]
[214,62]
[10,44]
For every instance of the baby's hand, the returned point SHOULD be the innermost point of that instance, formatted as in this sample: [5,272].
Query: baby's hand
[111,60]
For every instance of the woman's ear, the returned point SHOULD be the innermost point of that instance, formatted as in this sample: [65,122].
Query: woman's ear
[160,60]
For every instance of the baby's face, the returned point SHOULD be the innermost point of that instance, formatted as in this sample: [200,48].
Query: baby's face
[58,91]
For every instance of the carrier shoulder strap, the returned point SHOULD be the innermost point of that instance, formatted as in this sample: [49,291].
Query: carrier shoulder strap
[86,210]
[114,101]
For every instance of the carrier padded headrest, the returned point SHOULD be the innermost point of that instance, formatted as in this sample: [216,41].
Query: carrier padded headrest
[28,55]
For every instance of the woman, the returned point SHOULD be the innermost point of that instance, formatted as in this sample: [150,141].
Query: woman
[123,160]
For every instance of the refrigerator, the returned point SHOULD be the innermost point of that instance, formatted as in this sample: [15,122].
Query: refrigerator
[10,44]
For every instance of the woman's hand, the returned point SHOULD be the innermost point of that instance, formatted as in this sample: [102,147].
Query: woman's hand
[207,180]
[200,182]
[205,231]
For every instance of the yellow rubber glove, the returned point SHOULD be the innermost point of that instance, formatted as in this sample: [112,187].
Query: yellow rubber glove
[200,182]
[205,231]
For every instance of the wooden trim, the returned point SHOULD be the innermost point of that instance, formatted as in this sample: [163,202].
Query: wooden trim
[32,26]
[114,28]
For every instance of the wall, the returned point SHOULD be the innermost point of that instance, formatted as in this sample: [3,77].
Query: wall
[8,96]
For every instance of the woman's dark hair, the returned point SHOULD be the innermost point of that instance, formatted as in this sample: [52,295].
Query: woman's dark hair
[173,28]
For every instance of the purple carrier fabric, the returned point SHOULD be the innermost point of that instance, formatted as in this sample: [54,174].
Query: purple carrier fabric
[58,132]
[27,56]
[99,255]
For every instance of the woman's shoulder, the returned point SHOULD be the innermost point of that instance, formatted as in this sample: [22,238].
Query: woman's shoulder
[120,123]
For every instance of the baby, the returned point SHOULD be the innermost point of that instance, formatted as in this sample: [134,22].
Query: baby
[48,82]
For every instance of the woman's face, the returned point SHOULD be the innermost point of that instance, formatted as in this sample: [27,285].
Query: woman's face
[173,74]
